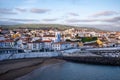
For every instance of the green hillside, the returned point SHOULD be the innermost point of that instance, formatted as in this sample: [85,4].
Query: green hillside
[45,26]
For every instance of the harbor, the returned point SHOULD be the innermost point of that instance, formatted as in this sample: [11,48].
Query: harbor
[73,71]
[41,68]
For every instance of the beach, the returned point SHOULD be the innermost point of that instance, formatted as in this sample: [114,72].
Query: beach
[12,69]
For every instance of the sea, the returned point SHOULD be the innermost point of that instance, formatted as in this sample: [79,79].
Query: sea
[74,71]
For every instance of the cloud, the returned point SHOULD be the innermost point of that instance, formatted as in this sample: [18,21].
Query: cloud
[109,27]
[19,20]
[21,10]
[114,19]
[73,14]
[108,20]
[105,13]
[7,11]
[24,20]
[81,20]
[8,23]
[55,19]
[40,11]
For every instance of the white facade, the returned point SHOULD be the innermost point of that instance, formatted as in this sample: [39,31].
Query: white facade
[8,51]
[36,38]
[2,38]
[7,44]
[35,46]
[19,44]
[49,37]
[47,44]
[61,45]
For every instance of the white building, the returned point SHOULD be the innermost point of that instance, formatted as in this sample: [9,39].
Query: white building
[35,46]
[61,45]
[55,38]
[8,43]
[47,45]
[36,38]
[49,37]
[2,37]
[8,51]
[19,44]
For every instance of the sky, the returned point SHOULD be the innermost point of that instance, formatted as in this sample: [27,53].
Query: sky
[103,14]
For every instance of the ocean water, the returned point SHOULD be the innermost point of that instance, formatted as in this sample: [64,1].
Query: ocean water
[74,71]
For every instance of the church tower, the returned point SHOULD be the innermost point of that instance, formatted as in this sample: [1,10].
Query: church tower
[58,37]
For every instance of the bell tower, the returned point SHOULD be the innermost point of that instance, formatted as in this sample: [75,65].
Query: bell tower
[57,37]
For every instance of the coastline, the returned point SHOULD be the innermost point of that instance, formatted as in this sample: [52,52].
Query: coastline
[22,67]
[12,69]
[111,61]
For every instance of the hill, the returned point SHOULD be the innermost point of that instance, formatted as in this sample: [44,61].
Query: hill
[46,26]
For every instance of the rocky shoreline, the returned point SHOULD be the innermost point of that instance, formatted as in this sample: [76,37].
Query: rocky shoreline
[113,61]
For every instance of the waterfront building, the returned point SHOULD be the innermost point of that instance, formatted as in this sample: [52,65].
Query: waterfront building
[35,46]
[47,45]
[61,45]
[2,37]
[8,43]
[8,51]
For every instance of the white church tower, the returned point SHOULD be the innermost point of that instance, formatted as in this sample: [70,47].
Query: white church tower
[57,37]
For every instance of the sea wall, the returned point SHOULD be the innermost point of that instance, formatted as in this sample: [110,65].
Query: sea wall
[28,55]
[37,54]
[94,60]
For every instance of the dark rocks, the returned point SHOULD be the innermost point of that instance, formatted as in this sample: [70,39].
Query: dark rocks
[94,60]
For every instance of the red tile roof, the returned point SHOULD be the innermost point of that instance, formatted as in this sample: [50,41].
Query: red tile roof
[49,36]
[61,42]
[46,40]
[7,40]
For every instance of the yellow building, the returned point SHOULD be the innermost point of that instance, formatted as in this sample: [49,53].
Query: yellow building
[99,42]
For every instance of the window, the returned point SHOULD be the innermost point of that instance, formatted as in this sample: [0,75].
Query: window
[34,46]
[7,44]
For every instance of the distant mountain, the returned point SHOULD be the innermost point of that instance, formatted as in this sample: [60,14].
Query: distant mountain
[57,26]
[8,23]
[47,26]
[11,24]
[101,27]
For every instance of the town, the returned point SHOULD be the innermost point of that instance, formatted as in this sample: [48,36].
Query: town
[59,39]
[53,40]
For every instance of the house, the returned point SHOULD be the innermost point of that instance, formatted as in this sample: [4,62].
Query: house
[36,38]
[55,38]
[74,44]
[35,46]
[47,45]
[18,44]
[8,51]
[8,43]
[2,37]
[49,37]
[61,45]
